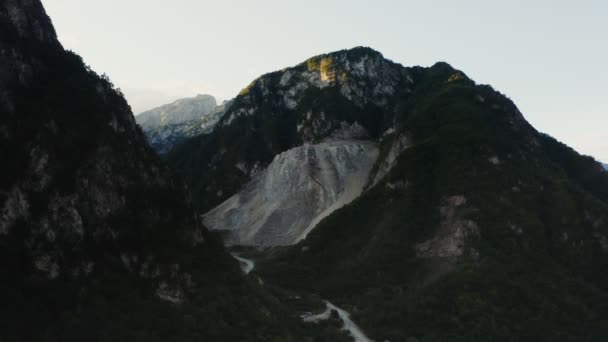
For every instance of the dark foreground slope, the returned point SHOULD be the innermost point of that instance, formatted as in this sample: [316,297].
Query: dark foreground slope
[97,240]
[474,226]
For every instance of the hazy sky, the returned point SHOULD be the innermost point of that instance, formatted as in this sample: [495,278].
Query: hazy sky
[550,57]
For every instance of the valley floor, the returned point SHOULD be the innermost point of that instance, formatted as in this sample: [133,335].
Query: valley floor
[247,265]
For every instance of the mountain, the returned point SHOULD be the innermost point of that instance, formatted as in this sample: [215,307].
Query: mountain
[419,201]
[182,110]
[286,109]
[165,136]
[468,225]
[605,166]
[98,239]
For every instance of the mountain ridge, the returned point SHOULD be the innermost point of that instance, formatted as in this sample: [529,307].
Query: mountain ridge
[306,83]
[178,111]
[170,124]
[465,204]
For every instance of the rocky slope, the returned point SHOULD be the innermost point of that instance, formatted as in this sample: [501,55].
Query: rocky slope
[98,240]
[182,110]
[299,188]
[471,224]
[165,137]
[286,109]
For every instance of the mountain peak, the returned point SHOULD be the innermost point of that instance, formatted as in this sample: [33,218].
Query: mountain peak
[170,124]
[352,53]
[361,75]
[179,111]
[344,58]
[205,96]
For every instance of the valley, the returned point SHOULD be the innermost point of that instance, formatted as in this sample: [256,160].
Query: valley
[347,197]
[247,265]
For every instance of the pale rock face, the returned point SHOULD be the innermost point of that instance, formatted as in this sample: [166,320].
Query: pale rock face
[165,137]
[285,78]
[177,112]
[15,207]
[170,294]
[602,240]
[453,232]
[494,160]
[282,204]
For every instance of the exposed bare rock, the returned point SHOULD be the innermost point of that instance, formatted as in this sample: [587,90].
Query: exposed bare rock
[180,111]
[450,240]
[299,188]
[181,120]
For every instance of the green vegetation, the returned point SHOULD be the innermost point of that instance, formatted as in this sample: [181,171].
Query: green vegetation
[246,90]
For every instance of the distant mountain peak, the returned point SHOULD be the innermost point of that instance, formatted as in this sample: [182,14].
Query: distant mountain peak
[204,96]
[168,125]
[179,111]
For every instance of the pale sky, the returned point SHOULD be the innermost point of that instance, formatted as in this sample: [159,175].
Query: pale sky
[550,57]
